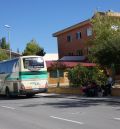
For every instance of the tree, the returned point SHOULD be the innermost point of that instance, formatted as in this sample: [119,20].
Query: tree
[106,43]
[33,48]
[4,45]
[3,55]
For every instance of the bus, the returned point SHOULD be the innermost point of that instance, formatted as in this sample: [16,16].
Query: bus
[25,75]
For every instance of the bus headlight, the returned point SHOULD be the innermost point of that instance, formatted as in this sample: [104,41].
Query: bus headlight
[46,85]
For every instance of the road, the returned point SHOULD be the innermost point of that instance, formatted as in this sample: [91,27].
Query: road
[59,112]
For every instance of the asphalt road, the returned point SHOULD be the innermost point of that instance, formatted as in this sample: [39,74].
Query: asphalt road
[59,112]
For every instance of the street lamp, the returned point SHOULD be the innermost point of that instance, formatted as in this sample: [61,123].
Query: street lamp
[58,73]
[8,29]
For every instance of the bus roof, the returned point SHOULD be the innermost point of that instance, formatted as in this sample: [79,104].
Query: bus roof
[20,57]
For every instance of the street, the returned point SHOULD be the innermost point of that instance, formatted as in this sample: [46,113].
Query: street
[46,111]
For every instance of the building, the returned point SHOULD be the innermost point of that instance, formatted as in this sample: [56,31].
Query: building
[72,41]
[13,54]
[54,65]
[50,57]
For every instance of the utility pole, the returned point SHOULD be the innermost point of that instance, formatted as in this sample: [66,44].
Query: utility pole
[8,30]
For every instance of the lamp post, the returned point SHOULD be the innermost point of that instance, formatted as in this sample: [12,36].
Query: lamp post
[8,29]
[58,74]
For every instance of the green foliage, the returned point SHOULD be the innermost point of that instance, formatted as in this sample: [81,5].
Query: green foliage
[108,53]
[104,27]
[4,45]
[3,55]
[106,43]
[80,75]
[33,48]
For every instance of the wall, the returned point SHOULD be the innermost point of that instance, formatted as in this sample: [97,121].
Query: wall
[64,47]
[62,80]
[77,91]
[65,90]
[116,91]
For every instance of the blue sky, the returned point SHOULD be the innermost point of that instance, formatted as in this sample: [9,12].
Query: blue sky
[39,19]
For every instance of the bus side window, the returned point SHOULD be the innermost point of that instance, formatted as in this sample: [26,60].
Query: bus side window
[15,67]
[26,64]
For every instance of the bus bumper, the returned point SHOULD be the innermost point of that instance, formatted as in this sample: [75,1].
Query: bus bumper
[33,91]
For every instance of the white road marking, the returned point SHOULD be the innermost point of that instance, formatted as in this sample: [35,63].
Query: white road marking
[116,108]
[117,118]
[8,107]
[75,113]
[77,122]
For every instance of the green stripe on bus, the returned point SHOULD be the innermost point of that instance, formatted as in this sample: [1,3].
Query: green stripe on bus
[34,75]
[10,79]
[29,75]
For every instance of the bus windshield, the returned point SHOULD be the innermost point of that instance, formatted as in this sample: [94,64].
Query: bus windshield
[32,63]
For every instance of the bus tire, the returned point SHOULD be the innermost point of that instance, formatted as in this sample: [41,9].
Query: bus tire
[7,92]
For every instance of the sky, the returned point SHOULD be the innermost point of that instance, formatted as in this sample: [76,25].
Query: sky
[39,19]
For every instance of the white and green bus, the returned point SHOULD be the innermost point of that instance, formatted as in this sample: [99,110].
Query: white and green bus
[25,75]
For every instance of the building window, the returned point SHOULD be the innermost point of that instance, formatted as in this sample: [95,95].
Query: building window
[70,54]
[89,31]
[79,52]
[69,38]
[78,35]
[53,74]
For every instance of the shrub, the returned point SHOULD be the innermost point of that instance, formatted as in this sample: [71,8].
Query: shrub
[79,75]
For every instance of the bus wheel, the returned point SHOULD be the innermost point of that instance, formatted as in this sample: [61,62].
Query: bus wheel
[7,92]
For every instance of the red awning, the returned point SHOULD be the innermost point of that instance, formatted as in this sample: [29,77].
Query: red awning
[70,64]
